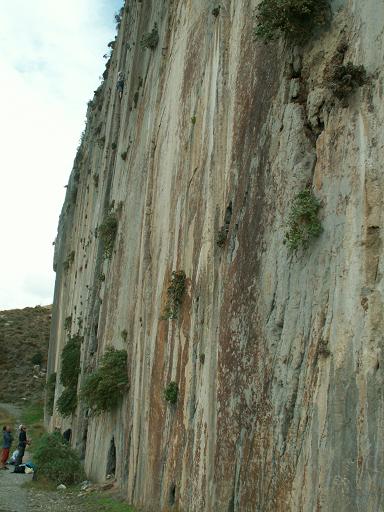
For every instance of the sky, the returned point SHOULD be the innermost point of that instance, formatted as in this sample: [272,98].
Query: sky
[50,64]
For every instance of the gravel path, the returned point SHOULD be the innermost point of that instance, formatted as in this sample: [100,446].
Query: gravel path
[13,497]
[58,501]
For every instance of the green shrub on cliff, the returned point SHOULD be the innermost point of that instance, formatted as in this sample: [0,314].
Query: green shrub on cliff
[303,222]
[56,461]
[70,361]
[346,78]
[70,369]
[104,389]
[67,402]
[151,39]
[108,231]
[294,19]
[50,388]
[68,323]
[222,234]
[68,262]
[171,392]
[118,21]
[175,294]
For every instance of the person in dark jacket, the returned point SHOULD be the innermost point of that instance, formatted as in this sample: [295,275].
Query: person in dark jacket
[23,441]
[7,442]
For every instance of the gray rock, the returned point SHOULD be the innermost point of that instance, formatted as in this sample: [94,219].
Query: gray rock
[284,411]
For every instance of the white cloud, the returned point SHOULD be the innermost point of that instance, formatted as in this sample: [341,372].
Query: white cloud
[50,65]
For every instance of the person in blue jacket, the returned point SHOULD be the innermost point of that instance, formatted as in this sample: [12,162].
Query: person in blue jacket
[7,442]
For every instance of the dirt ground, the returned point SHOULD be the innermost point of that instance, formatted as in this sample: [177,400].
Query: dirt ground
[15,497]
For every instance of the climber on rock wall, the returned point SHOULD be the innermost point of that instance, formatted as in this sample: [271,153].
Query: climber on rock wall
[120,83]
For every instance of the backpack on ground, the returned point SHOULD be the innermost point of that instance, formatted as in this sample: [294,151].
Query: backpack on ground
[19,469]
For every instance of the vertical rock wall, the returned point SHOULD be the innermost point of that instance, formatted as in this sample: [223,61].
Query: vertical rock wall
[278,355]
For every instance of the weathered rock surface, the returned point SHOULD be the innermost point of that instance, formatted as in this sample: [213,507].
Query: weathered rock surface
[278,356]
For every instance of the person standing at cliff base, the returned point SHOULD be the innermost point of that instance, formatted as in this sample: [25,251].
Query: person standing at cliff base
[7,442]
[23,441]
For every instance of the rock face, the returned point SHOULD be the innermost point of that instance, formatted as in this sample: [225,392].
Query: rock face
[277,354]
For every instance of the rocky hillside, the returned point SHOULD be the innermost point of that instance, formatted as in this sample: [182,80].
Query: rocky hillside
[24,337]
[223,230]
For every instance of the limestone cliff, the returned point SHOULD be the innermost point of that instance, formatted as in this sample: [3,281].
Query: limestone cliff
[277,354]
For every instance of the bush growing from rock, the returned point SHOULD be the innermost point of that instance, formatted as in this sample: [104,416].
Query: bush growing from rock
[108,231]
[118,17]
[68,323]
[70,362]
[37,358]
[151,39]
[104,389]
[222,235]
[303,222]
[175,294]
[70,259]
[69,375]
[171,392]
[50,388]
[294,19]
[56,461]
[67,402]
[346,78]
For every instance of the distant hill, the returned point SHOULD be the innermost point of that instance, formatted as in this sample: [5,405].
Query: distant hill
[24,337]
